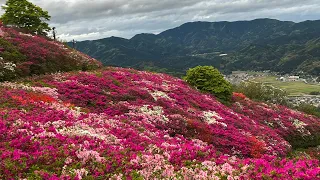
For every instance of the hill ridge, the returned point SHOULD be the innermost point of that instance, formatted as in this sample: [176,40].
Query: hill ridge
[175,49]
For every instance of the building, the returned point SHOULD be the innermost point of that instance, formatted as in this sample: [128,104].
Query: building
[293,78]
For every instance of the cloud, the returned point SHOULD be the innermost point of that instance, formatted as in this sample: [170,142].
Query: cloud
[93,19]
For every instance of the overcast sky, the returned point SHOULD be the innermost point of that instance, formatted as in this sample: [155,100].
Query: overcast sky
[95,19]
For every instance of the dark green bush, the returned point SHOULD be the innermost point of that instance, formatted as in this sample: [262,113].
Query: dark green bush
[309,109]
[10,53]
[315,93]
[299,141]
[209,79]
[261,92]
[9,57]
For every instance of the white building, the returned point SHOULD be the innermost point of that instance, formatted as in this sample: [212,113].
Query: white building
[293,78]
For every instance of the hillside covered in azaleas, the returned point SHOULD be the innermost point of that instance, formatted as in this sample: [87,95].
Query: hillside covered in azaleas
[121,123]
[23,54]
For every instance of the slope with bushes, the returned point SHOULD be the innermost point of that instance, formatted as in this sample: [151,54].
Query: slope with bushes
[116,123]
[25,54]
[299,129]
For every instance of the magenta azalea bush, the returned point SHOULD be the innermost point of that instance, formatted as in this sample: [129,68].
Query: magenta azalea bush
[299,129]
[126,124]
[25,54]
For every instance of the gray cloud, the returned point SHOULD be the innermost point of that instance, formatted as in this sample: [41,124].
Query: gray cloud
[93,19]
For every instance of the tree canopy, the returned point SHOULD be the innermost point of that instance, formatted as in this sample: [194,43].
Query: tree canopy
[209,79]
[24,14]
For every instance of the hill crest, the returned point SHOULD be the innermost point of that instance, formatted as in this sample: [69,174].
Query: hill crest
[24,54]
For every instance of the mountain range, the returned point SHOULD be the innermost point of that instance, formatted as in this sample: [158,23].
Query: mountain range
[261,44]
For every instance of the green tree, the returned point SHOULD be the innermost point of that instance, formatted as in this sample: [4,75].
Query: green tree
[24,14]
[209,79]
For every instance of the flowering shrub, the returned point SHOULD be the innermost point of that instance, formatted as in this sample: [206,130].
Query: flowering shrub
[120,123]
[299,129]
[30,54]
[238,96]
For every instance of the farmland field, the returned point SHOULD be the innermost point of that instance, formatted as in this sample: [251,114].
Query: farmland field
[293,88]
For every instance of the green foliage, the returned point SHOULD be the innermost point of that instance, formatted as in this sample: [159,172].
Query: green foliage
[298,141]
[261,92]
[309,109]
[209,79]
[10,52]
[310,152]
[162,70]
[136,175]
[10,56]
[24,14]
[315,93]
[7,71]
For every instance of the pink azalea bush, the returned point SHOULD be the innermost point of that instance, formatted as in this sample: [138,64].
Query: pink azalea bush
[299,129]
[25,54]
[126,124]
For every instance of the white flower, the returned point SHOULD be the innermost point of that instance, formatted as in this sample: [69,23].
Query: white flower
[159,94]
[211,118]
[154,111]
[9,66]
[300,126]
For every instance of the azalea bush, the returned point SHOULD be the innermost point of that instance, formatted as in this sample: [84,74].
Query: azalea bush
[299,129]
[34,55]
[125,124]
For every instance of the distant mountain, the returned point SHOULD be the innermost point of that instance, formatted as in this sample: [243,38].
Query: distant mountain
[261,44]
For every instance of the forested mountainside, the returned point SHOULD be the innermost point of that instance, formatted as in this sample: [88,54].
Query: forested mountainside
[261,44]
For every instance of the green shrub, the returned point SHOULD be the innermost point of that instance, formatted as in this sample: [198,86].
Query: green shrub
[209,79]
[315,93]
[7,71]
[9,57]
[309,109]
[298,141]
[261,92]
[10,53]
